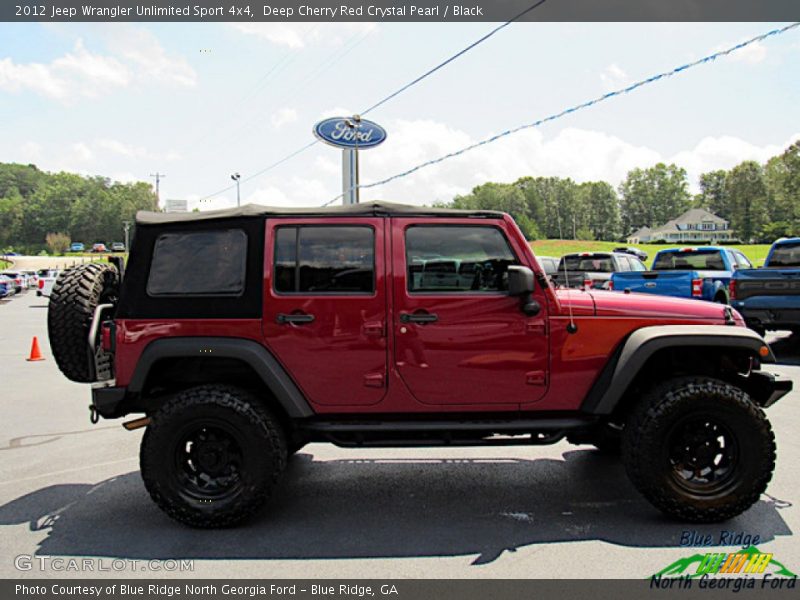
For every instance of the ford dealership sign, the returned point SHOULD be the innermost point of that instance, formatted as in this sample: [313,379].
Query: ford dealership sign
[350,132]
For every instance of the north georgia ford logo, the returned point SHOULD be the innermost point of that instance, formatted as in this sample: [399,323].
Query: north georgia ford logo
[350,132]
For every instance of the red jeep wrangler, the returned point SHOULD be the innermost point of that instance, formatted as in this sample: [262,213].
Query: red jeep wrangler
[243,334]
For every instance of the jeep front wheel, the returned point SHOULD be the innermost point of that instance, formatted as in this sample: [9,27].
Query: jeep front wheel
[211,456]
[699,449]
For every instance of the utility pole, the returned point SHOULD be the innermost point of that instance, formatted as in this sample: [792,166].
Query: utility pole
[236,177]
[158,177]
[127,226]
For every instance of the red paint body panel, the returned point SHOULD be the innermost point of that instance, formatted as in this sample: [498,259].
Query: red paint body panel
[483,354]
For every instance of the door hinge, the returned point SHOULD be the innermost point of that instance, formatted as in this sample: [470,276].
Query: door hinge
[374,380]
[536,328]
[536,378]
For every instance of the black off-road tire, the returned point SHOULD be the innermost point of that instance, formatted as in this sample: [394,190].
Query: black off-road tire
[251,426]
[651,430]
[76,293]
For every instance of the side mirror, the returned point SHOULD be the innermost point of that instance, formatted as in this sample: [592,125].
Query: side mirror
[520,280]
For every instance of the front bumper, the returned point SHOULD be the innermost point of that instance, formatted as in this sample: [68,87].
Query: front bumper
[766,389]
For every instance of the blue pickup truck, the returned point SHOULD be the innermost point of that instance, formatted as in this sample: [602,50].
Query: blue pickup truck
[769,298]
[703,272]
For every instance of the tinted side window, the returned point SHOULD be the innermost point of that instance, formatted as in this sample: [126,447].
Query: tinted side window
[202,263]
[457,259]
[637,265]
[742,261]
[624,264]
[339,259]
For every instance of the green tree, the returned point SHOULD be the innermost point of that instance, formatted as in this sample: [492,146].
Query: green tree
[747,190]
[601,206]
[651,197]
[714,193]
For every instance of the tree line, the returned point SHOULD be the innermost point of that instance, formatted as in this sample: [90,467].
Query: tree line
[761,201]
[35,204]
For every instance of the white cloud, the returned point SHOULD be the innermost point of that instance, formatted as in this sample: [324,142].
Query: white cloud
[136,56]
[132,151]
[282,117]
[751,55]
[299,35]
[79,73]
[725,152]
[142,50]
[614,78]
[81,152]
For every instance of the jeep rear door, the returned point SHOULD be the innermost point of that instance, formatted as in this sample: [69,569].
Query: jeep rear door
[325,307]
[459,338]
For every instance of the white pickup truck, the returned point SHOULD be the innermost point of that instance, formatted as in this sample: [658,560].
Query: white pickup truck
[47,277]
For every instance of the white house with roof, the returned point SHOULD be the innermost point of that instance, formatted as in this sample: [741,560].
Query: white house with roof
[695,225]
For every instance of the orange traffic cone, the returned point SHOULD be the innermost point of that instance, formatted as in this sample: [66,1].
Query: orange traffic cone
[36,354]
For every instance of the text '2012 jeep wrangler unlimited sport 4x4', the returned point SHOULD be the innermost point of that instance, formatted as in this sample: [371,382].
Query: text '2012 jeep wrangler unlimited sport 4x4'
[243,334]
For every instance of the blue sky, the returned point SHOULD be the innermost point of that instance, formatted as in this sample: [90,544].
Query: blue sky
[200,101]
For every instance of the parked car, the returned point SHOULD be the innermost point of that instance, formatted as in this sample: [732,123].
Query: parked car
[99,247]
[10,285]
[117,247]
[234,340]
[769,298]
[549,264]
[31,279]
[77,247]
[47,279]
[640,254]
[703,273]
[4,287]
[592,270]
[17,279]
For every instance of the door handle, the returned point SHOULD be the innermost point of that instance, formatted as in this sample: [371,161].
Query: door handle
[298,319]
[424,317]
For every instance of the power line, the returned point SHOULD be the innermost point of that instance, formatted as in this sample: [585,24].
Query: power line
[454,57]
[578,107]
[428,73]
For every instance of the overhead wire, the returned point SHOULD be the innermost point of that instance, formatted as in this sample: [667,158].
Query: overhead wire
[582,106]
[394,94]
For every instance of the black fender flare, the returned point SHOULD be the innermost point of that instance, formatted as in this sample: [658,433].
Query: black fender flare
[250,352]
[632,354]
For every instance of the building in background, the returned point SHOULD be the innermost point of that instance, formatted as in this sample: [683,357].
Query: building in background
[695,225]
[173,205]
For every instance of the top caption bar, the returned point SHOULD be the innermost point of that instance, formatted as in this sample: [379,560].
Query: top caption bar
[400,10]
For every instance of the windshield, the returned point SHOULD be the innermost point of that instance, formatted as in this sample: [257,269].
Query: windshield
[690,260]
[598,263]
[785,255]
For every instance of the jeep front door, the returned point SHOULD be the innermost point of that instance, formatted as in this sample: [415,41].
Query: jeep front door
[460,339]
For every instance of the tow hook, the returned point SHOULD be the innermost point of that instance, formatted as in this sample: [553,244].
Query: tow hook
[93,416]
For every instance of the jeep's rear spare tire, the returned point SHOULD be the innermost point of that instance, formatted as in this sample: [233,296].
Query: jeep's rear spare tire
[211,456]
[699,449]
[76,294]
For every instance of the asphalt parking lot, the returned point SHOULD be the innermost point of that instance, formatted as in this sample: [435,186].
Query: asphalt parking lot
[69,489]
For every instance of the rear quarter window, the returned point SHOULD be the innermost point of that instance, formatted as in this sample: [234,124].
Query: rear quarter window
[200,263]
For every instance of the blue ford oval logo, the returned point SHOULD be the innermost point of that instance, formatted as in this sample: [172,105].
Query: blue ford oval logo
[347,132]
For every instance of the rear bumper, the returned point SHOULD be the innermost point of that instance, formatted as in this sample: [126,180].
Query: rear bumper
[108,400]
[770,317]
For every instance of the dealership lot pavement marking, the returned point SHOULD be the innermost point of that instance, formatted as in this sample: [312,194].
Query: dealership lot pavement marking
[483,512]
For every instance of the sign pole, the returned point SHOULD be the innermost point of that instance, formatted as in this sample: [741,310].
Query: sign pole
[350,176]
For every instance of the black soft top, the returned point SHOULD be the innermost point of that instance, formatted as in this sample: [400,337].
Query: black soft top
[367,209]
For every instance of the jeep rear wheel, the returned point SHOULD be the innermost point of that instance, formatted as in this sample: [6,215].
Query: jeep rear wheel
[211,456]
[699,449]
[76,294]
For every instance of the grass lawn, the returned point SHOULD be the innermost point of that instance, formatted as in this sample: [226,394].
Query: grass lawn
[757,253]
[4,264]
